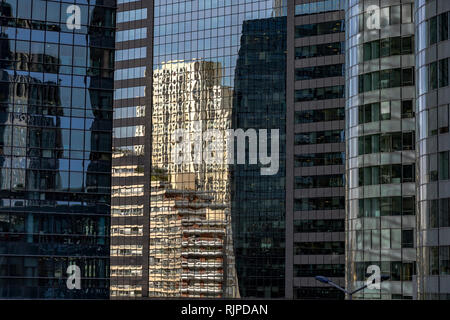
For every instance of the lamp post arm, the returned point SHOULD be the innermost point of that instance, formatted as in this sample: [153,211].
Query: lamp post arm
[338,287]
[357,290]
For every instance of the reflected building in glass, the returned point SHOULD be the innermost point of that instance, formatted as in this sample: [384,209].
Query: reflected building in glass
[380,150]
[55,147]
[433,146]
[172,231]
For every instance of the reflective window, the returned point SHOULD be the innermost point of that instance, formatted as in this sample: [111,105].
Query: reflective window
[310,94]
[129,112]
[319,248]
[387,47]
[332,136]
[386,174]
[317,29]
[310,116]
[337,225]
[319,159]
[336,70]
[129,73]
[386,79]
[132,15]
[386,206]
[386,142]
[319,50]
[131,54]
[329,203]
[129,132]
[325,181]
[129,35]
[129,93]
[320,6]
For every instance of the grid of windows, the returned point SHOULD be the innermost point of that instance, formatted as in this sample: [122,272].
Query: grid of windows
[56,93]
[213,61]
[380,104]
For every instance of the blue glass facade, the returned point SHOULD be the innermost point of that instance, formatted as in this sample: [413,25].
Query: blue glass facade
[56,92]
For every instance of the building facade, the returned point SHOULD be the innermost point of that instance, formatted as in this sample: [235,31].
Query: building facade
[258,201]
[433,145]
[56,93]
[380,151]
[175,80]
[130,209]
[315,149]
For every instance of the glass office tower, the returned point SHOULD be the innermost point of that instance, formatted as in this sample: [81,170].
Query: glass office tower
[258,202]
[315,149]
[195,73]
[433,146]
[380,135]
[56,92]
[172,220]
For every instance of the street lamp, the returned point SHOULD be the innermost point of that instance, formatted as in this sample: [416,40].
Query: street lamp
[349,293]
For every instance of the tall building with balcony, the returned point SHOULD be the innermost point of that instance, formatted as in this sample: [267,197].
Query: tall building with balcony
[433,146]
[315,145]
[380,149]
[56,92]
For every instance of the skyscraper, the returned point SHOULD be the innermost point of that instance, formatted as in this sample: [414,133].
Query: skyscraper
[380,153]
[258,201]
[56,120]
[433,145]
[130,207]
[171,218]
[315,148]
